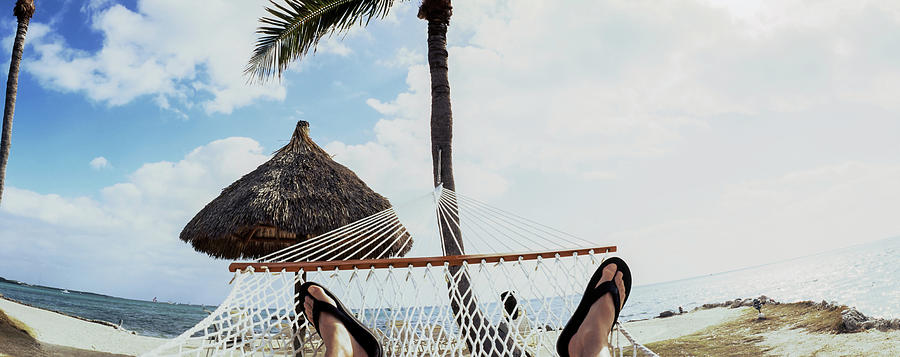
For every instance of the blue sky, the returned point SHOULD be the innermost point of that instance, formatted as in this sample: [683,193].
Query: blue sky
[695,127]
[65,128]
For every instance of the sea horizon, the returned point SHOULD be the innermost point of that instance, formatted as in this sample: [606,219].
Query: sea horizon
[146,317]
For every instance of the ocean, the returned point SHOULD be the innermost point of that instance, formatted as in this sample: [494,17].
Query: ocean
[143,317]
[865,276]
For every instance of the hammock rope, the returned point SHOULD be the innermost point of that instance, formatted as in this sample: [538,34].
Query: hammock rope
[407,301]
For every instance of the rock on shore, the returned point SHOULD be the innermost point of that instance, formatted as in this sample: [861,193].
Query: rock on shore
[851,319]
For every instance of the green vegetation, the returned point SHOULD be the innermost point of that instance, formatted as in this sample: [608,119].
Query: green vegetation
[4,280]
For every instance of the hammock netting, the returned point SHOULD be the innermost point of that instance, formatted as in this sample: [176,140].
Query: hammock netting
[509,295]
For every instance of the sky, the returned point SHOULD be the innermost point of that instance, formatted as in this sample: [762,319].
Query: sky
[698,136]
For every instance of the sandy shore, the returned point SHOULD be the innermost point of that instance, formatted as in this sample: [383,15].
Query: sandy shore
[652,330]
[790,329]
[56,329]
[794,329]
[60,330]
[796,342]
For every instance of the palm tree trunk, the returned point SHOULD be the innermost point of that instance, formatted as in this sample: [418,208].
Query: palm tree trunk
[481,337]
[23,10]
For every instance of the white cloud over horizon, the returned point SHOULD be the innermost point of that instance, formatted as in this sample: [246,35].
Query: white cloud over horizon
[133,224]
[755,222]
[136,224]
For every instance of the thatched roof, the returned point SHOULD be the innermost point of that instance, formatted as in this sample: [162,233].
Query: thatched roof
[298,194]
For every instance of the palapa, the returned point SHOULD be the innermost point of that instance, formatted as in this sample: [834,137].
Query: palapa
[296,195]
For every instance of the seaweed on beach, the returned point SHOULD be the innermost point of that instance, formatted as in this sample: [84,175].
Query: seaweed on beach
[16,338]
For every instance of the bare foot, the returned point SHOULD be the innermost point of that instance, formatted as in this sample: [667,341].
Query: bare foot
[338,341]
[592,336]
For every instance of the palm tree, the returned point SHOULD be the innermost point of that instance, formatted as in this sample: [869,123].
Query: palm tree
[23,10]
[297,27]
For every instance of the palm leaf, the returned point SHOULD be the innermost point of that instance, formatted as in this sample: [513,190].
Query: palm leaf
[297,26]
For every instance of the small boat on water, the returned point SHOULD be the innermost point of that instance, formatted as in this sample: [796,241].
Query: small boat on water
[65,291]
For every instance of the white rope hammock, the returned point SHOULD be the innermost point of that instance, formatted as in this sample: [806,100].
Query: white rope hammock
[409,302]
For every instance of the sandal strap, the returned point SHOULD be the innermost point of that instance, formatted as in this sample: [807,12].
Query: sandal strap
[608,287]
[359,332]
[592,293]
[321,306]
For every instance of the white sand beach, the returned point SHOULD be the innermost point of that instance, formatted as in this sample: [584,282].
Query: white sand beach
[796,342]
[652,330]
[57,329]
[54,328]
[794,329]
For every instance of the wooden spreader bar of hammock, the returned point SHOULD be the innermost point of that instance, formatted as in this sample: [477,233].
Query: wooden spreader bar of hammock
[415,262]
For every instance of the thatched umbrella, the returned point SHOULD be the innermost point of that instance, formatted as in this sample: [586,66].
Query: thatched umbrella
[296,195]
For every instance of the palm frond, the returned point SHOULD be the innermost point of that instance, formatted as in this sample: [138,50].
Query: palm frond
[297,26]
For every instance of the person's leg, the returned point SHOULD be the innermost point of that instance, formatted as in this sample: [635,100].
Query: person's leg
[592,338]
[338,341]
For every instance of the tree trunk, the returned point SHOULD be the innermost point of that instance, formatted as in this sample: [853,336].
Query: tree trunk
[23,11]
[481,337]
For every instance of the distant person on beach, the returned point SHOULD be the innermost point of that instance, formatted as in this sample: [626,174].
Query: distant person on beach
[585,335]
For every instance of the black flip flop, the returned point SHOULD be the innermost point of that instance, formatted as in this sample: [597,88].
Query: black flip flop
[363,335]
[591,295]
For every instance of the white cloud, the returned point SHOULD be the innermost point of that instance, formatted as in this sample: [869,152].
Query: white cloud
[627,79]
[762,221]
[95,5]
[163,49]
[99,163]
[333,46]
[134,223]
[630,98]
[538,109]
[404,57]
[598,175]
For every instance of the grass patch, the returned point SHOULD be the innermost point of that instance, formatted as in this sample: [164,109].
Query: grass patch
[806,315]
[741,336]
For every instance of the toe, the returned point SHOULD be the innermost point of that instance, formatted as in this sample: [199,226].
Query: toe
[608,272]
[319,294]
[307,307]
[620,284]
[332,329]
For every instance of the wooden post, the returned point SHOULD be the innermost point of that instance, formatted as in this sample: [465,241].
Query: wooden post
[298,333]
